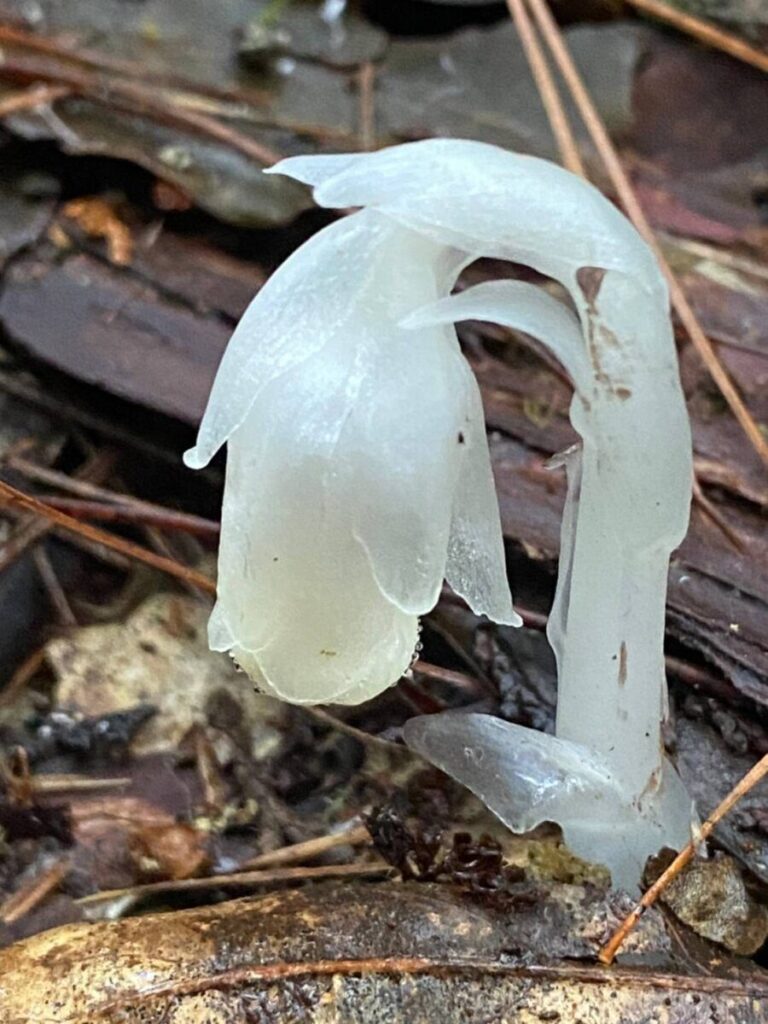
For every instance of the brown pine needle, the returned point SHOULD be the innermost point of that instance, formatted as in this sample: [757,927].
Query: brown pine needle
[705,32]
[18,681]
[558,119]
[12,496]
[53,783]
[52,584]
[753,776]
[114,512]
[366,82]
[298,853]
[599,135]
[30,99]
[242,878]
[108,505]
[716,516]
[27,898]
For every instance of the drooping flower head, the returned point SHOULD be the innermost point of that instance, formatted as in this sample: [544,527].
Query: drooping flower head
[358,474]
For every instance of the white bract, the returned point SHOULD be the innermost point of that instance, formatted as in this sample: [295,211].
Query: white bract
[358,475]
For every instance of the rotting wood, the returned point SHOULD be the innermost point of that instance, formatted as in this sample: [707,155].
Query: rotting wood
[367,953]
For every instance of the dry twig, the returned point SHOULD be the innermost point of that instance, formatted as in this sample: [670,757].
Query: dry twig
[13,496]
[107,505]
[460,680]
[31,98]
[686,855]
[366,738]
[354,834]
[135,98]
[558,119]
[713,513]
[134,514]
[27,898]
[18,681]
[243,878]
[30,530]
[100,62]
[705,32]
[53,783]
[366,80]
[53,586]
[438,967]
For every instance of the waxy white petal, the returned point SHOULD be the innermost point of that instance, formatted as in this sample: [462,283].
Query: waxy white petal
[342,468]
[521,306]
[485,200]
[319,292]
[399,458]
[476,567]
[298,603]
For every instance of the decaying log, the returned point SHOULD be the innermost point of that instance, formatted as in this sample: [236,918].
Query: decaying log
[363,954]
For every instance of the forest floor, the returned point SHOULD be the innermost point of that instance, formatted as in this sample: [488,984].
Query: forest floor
[139,772]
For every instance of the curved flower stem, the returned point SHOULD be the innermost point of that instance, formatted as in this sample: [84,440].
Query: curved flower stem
[634,210]
[607,625]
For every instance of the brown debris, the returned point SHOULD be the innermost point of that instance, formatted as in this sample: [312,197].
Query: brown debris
[711,897]
[99,219]
[170,198]
[430,855]
[35,821]
[172,851]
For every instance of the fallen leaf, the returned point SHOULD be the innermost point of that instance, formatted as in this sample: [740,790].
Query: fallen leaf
[160,655]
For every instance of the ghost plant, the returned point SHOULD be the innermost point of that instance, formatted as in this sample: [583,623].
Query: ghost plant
[358,475]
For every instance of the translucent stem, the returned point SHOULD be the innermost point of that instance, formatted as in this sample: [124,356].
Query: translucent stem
[612,655]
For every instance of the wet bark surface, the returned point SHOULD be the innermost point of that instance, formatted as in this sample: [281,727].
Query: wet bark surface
[370,953]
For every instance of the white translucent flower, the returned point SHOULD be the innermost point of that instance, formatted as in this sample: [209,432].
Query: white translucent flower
[603,777]
[358,473]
